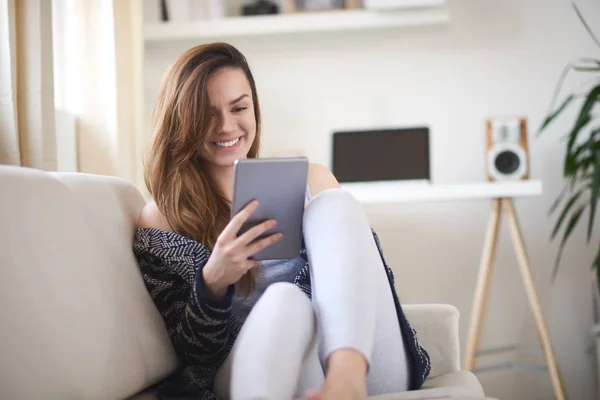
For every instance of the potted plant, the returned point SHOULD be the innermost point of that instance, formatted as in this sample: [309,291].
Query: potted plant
[581,168]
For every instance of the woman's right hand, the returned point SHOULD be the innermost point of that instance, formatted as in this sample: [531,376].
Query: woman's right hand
[230,258]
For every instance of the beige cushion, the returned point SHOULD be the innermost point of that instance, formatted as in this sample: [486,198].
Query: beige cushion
[437,329]
[454,385]
[456,379]
[77,321]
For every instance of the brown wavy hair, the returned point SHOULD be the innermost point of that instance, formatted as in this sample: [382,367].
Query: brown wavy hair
[174,174]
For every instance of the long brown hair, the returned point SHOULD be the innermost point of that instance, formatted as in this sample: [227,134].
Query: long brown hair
[173,172]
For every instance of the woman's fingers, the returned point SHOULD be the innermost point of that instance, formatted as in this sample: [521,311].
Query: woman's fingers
[256,231]
[233,227]
[263,243]
[245,245]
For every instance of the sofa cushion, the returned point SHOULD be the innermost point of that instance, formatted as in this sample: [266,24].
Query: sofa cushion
[438,335]
[456,379]
[431,394]
[77,321]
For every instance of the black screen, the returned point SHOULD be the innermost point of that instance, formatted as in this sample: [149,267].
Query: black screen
[381,155]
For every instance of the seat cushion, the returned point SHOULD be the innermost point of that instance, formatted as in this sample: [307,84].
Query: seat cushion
[454,385]
[431,394]
[460,379]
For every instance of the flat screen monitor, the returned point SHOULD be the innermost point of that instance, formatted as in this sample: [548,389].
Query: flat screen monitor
[381,155]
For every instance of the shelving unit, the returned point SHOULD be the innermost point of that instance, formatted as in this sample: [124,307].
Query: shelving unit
[295,23]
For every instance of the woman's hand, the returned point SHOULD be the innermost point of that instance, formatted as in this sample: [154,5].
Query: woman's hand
[230,258]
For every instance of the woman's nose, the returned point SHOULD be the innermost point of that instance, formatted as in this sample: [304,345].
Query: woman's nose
[227,124]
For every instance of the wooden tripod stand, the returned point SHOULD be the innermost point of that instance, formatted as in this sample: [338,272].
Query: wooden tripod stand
[482,290]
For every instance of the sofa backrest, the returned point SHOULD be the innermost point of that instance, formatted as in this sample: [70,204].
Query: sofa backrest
[76,321]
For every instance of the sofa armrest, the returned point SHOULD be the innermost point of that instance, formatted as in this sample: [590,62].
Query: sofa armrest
[463,380]
[437,330]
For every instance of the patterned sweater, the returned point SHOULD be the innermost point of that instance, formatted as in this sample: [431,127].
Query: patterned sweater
[202,329]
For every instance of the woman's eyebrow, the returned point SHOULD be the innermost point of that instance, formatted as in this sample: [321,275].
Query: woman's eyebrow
[232,102]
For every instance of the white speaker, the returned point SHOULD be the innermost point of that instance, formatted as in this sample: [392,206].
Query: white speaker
[507,156]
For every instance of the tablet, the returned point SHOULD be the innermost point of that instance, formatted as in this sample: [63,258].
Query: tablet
[279,185]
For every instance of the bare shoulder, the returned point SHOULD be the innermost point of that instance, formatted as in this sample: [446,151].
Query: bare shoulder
[151,217]
[320,178]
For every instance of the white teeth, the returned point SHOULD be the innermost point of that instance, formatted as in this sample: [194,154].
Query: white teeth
[228,144]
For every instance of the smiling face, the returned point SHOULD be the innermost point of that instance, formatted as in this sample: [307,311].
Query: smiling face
[233,123]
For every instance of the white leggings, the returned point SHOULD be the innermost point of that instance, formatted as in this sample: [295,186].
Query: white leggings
[283,345]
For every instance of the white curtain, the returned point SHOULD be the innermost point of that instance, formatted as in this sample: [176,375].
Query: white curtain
[99,79]
[71,85]
[27,133]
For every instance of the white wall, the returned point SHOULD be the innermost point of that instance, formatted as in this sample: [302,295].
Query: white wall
[496,57]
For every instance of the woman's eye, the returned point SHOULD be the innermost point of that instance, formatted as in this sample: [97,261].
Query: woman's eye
[239,109]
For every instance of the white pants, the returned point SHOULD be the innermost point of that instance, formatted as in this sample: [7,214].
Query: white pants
[283,345]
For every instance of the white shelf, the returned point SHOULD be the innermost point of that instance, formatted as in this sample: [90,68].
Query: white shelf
[398,192]
[294,23]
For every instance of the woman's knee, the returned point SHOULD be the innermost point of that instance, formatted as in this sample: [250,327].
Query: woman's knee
[331,206]
[332,194]
[336,198]
[285,294]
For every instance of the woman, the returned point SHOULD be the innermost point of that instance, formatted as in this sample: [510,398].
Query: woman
[328,320]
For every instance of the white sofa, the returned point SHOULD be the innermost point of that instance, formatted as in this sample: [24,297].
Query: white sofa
[76,321]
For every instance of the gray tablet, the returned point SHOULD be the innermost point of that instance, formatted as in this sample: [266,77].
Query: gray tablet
[279,185]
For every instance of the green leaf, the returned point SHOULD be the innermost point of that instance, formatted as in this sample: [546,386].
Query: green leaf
[576,65]
[584,116]
[558,200]
[565,211]
[560,109]
[594,197]
[598,274]
[571,166]
[590,60]
[596,264]
[585,163]
[587,69]
[580,149]
[587,27]
[559,84]
[570,226]
[579,125]
[574,162]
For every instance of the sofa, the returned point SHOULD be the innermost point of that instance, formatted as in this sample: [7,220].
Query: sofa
[76,319]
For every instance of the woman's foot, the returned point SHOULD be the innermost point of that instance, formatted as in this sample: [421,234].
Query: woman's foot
[346,378]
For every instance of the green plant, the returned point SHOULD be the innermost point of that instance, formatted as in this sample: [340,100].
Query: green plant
[582,159]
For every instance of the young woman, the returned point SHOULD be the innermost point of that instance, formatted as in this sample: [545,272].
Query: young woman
[325,325]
